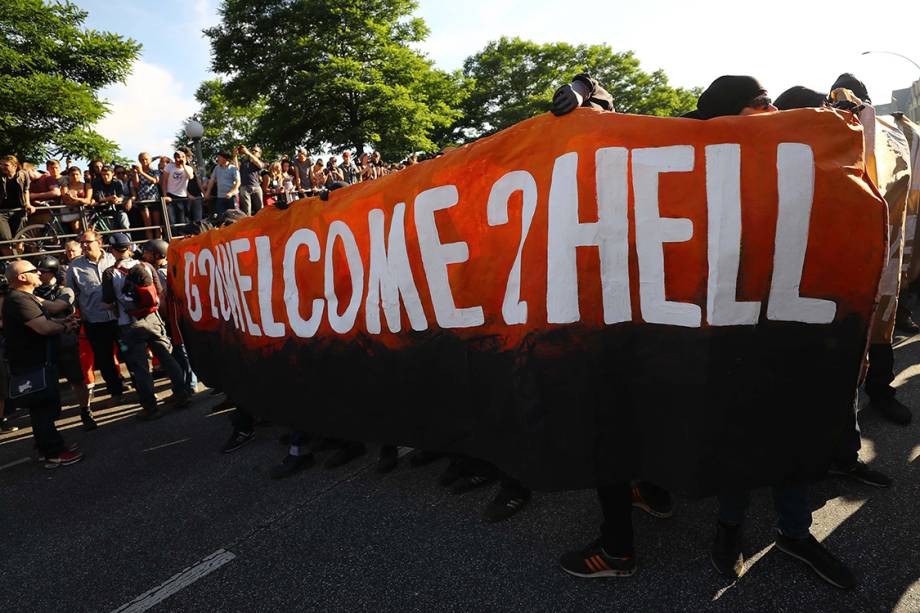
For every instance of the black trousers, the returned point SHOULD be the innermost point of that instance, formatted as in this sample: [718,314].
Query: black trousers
[241,420]
[617,530]
[44,407]
[103,338]
[881,371]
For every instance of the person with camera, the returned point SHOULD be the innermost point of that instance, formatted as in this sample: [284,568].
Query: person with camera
[33,374]
[131,289]
[145,183]
[174,183]
[250,178]
[110,191]
[60,302]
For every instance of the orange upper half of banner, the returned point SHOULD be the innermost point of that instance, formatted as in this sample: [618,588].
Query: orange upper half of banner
[592,219]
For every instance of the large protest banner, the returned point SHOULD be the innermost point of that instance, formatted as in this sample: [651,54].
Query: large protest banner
[576,299]
[911,265]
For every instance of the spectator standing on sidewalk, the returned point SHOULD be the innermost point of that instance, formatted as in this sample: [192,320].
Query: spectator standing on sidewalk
[84,277]
[47,188]
[174,185]
[59,302]
[14,199]
[302,167]
[134,296]
[251,178]
[145,181]
[350,172]
[33,376]
[225,179]
[111,191]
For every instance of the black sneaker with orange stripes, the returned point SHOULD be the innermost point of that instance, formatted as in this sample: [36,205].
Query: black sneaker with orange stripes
[593,561]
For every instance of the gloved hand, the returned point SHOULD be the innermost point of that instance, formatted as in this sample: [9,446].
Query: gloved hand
[566,100]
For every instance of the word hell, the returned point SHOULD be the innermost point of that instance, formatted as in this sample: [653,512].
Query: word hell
[390,282]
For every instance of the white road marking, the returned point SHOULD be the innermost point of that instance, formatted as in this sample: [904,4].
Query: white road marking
[15,463]
[181,440]
[177,582]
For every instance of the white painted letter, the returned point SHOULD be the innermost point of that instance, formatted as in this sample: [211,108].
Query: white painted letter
[723,197]
[652,231]
[437,256]
[346,321]
[390,276]
[514,310]
[303,328]
[244,282]
[609,234]
[192,295]
[206,262]
[795,168]
[264,258]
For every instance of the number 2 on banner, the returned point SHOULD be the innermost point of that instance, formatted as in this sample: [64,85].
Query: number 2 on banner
[514,310]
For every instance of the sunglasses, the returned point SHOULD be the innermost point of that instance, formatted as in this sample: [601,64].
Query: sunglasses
[760,102]
[88,242]
[25,272]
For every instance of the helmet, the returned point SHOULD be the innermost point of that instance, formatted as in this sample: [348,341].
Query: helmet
[48,263]
[157,246]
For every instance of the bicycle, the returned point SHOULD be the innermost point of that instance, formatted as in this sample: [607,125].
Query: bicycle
[45,235]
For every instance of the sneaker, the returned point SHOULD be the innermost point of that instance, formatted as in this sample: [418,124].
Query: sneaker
[89,422]
[6,426]
[65,458]
[291,465]
[593,562]
[67,447]
[453,472]
[813,553]
[861,472]
[237,440]
[726,555]
[422,458]
[508,502]
[346,454]
[180,400]
[652,499]
[146,415]
[893,410]
[904,322]
[468,484]
[389,458]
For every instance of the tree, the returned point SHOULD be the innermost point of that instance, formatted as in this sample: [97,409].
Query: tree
[226,125]
[334,74]
[512,79]
[51,70]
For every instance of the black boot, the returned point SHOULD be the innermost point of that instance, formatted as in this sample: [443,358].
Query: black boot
[89,422]
[726,552]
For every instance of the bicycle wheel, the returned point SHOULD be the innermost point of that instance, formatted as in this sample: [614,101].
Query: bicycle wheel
[44,238]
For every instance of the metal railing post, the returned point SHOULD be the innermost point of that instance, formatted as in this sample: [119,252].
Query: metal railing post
[168,222]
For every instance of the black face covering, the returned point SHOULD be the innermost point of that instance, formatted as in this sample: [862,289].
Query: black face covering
[853,84]
[799,97]
[728,95]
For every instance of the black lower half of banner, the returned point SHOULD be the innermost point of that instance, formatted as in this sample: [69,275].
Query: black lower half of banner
[692,410]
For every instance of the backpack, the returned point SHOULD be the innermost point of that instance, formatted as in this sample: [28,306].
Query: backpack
[140,289]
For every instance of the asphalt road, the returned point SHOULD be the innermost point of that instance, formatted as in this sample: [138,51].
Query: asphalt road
[155,516]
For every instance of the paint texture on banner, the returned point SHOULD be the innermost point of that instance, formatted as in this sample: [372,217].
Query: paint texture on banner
[576,300]
[911,265]
[888,162]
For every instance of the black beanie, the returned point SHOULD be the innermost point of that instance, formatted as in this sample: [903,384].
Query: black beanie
[853,84]
[728,95]
[799,97]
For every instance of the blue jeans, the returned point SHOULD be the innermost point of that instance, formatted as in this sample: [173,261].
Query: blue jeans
[793,515]
[184,210]
[181,357]
[222,205]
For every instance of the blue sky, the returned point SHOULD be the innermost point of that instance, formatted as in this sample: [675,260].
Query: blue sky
[781,43]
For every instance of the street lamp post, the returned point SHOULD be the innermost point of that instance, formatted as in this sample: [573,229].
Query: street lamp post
[194,130]
[903,57]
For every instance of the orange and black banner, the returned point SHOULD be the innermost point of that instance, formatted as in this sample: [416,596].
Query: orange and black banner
[576,300]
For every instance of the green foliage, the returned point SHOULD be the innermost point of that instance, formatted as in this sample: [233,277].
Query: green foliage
[513,79]
[51,69]
[226,124]
[334,74]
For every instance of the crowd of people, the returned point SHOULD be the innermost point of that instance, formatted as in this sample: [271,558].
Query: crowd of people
[102,295]
[129,197]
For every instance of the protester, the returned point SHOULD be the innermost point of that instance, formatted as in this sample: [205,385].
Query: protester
[60,302]
[131,290]
[225,183]
[84,277]
[250,168]
[33,375]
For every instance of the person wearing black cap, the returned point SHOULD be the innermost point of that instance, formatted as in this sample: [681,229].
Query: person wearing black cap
[132,289]
[59,302]
[743,95]
[800,97]
[848,81]
[582,91]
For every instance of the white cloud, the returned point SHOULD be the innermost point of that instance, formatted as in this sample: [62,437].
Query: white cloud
[147,110]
